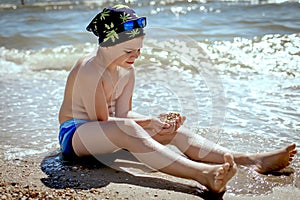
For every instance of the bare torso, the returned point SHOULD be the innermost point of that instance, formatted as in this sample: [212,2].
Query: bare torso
[113,83]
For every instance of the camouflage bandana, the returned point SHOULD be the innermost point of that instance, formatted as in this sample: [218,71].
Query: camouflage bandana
[105,25]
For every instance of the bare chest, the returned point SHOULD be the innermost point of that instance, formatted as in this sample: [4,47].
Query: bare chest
[113,85]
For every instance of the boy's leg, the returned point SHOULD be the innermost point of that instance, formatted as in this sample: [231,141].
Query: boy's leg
[102,137]
[200,149]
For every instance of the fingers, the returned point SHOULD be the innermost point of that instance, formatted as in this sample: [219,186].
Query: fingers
[173,127]
[165,126]
[161,127]
[165,132]
[179,122]
[170,130]
[176,124]
[171,122]
[181,119]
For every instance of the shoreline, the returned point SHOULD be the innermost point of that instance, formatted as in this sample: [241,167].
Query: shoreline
[50,177]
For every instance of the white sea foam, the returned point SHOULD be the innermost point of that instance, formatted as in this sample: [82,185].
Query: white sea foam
[277,54]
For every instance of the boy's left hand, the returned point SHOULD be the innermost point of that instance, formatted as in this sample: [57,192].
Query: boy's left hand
[175,120]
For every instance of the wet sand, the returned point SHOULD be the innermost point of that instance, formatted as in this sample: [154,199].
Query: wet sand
[52,177]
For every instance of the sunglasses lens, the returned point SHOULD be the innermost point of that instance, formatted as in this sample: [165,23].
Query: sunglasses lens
[128,25]
[142,22]
[139,23]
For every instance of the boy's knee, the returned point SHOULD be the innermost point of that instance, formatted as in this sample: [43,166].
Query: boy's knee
[130,128]
[164,139]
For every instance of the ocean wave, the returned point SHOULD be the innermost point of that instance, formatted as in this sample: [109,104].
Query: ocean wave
[58,58]
[61,4]
[279,54]
[53,4]
[271,54]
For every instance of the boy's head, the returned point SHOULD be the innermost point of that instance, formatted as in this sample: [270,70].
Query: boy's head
[117,24]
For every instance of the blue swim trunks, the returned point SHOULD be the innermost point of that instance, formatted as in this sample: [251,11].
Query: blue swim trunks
[66,132]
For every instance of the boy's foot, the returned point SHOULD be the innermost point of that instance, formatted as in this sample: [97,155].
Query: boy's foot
[275,160]
[218,176]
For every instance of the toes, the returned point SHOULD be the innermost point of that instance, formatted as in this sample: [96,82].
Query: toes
[291,147]
[218,183]
[226,166]
[220,172]
[219,177]
[291,158]
[293,152]
[228,158]
[258,168]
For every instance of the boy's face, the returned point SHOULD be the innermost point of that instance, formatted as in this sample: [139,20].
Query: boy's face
[129,51]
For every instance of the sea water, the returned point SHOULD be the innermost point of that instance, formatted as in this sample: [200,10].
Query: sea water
[232,67]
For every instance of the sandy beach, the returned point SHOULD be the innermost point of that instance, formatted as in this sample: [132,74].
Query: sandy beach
[252,106]
[51,177]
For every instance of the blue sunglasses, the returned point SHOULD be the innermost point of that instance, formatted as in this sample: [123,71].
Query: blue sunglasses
[130,25]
